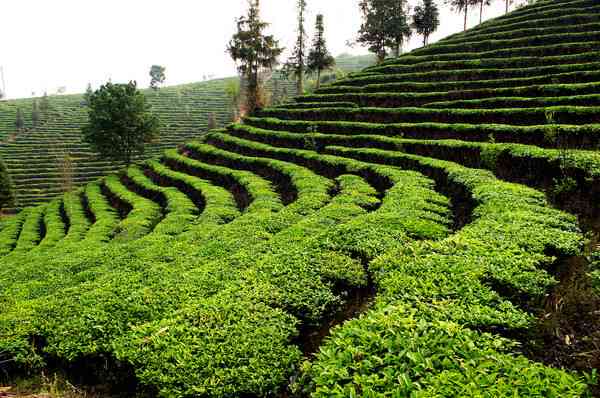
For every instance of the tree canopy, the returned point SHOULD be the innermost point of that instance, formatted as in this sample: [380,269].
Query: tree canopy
[120,122]
[319,58]
[384,26]
[157,75]
[296,64]
[253,51]
[426,19]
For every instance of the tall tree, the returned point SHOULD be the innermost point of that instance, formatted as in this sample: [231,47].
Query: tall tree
[319,58]
[384,26]
[397,25]
[426,19]
[88,93]
[462,6]
[19,121]
[7,197]
[157,75]
[483,3]
[296,64]
[35,113]
[253,51]
[45,104]
[120,122]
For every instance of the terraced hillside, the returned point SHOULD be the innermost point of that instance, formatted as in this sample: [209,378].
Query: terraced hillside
[35,157]
[404,232]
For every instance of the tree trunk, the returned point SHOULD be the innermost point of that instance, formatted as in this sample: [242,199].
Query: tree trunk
[466,11]
[397,48]
[506,6]
[300,82]
[318,85]
[424,40]
[480,11]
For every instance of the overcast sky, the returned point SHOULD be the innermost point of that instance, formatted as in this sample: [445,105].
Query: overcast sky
[47,44]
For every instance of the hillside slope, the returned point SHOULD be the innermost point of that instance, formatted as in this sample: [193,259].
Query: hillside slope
[35,157]
[429,207]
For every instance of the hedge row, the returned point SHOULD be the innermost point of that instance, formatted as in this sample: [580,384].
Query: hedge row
[11,230]
[432,312]
[403,99]
[308,104]
[584,23]
[33,230]
[75,212]
[558,15]
[424,87]
[105,218]
[581,137]
[485,63]
[535,282]
[571,115]
[140,215]
[467,74]
[495,44]
[54,224]
[179,210]
[528,164]
[215,203]
[519,102]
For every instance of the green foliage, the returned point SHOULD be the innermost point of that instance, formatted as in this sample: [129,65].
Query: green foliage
[214,270]
[7,196]
[319,58]
[595,271]
[157,76]
[253,51]
[426,19]
[296,64]
[120,122]
[384,26]
[424,358]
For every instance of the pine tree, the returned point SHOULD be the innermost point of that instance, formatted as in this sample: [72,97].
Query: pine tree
[319,58]
[254,52]
[426,19]
[35,113]
[296,64]
[44,105]
[462,6]
[88,94]
[384,26]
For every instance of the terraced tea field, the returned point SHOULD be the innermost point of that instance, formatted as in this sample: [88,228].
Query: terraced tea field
[35,157]
[405,232]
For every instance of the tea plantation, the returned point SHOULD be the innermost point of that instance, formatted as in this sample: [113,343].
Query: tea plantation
[395,234]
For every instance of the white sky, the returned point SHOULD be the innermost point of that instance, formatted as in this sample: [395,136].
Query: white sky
[46,44]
